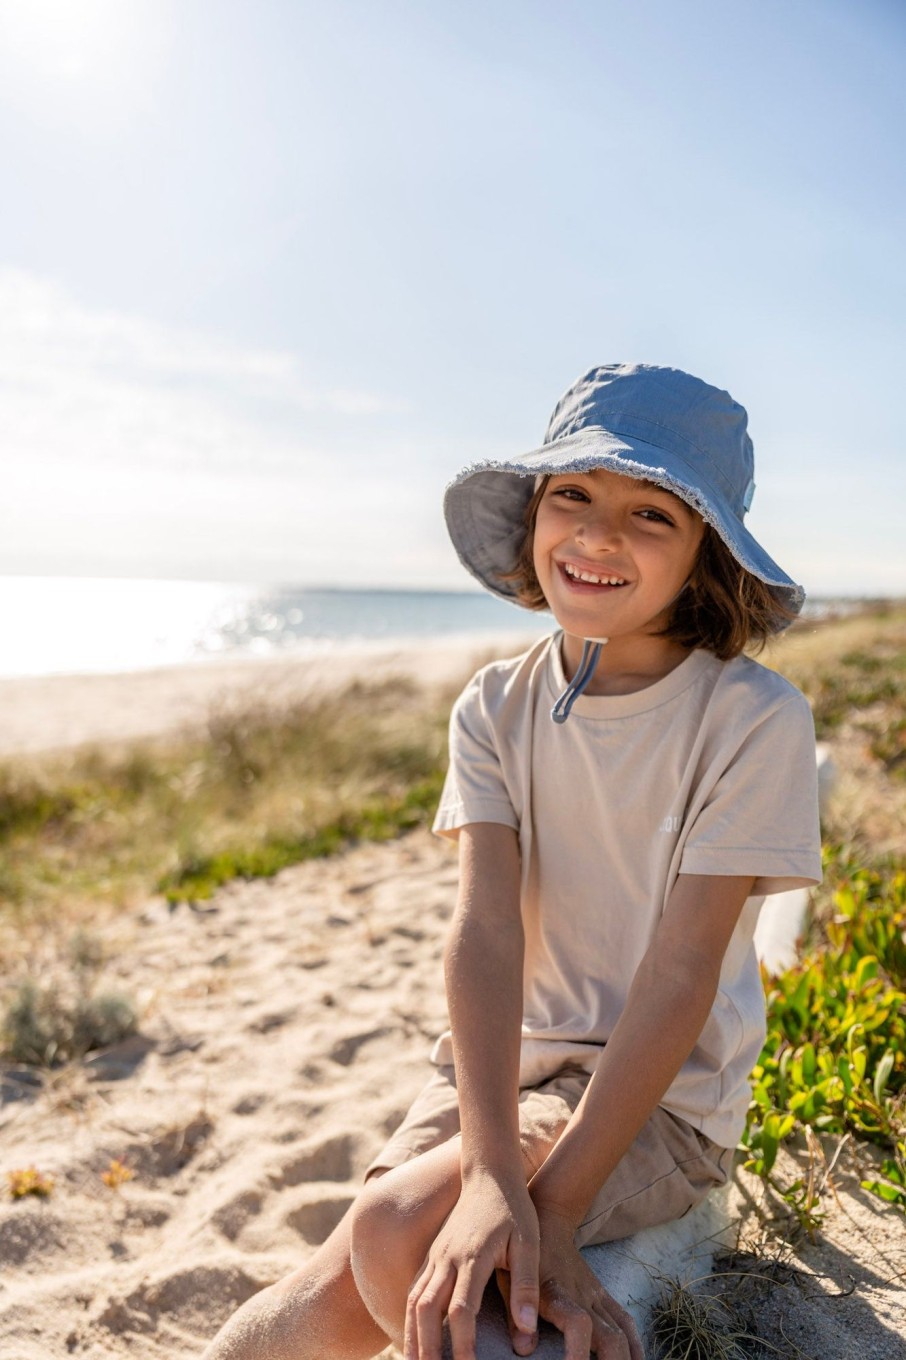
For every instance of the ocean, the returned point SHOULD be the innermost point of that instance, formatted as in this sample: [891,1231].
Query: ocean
[53,625]
[74,625]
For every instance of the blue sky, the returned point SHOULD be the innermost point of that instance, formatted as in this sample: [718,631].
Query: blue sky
[270,273]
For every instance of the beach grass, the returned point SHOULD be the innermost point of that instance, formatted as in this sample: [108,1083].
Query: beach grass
[866,673]
[853,670]
[99,830]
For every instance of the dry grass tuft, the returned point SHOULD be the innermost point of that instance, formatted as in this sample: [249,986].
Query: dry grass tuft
[67,1014]
[691,1326]
[853,670]
[727,1315]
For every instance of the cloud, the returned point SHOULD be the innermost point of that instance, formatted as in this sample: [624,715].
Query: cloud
[95,388]
[136,448]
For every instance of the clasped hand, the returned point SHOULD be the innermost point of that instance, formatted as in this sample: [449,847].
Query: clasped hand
[496,1227]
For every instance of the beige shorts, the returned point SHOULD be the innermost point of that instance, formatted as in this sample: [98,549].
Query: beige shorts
[668,1169]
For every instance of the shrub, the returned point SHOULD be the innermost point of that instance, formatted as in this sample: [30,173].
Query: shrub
[45,1025]
[834,1059]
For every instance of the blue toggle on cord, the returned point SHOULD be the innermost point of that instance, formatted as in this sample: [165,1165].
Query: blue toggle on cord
[591,651]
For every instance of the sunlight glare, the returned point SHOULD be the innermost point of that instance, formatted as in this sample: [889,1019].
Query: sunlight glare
[51,50]
[66,37]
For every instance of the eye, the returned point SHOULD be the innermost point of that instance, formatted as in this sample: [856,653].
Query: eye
[570,493]
[656,516]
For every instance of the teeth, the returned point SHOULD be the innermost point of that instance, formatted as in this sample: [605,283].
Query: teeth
[593,580]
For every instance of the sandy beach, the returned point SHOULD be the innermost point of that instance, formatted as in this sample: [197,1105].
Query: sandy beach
[52,712]
[284,1028]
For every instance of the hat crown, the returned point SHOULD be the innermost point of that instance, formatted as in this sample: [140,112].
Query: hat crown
[670,410]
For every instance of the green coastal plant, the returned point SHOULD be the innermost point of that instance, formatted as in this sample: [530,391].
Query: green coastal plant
[834,1060]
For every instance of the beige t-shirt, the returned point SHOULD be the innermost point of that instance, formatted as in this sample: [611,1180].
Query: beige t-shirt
[709,771]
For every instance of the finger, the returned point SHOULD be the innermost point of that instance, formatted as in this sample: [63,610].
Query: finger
[522,1261]
[425,1309]
[463,1311]
[523,1343]
[410,1335]
[616,1316]
[574,1322]
[608,1341]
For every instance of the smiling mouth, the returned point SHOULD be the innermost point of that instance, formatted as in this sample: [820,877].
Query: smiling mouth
[589,578]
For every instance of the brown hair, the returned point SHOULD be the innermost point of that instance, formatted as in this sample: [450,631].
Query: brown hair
[722,607]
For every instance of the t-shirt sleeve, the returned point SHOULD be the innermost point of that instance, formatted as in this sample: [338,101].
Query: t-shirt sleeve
[474,789]
[761,815]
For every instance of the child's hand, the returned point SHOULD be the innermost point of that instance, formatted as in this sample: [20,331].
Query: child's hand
[493,1226]
[573,1299]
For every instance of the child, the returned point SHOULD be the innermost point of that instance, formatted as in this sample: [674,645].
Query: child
[624,795]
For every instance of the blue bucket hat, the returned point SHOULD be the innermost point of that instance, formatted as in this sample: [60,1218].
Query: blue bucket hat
[659,424]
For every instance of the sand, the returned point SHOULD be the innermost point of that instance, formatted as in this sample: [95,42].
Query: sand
[285,1026]
[50,712]
[284,1032]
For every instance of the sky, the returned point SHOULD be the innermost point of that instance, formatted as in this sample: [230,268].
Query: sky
[272,272]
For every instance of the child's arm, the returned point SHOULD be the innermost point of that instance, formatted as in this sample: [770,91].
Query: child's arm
[669,1001]
[493,1224]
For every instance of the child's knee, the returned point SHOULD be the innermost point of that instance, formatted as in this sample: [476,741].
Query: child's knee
[397,1215]
[376,1221]
[386,1250]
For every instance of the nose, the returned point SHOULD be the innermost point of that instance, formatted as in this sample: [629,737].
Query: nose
[600,528]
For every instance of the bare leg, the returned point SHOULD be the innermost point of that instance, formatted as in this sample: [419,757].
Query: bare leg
[398,1216]
[394,1222]
[313,1313]
[318,1311]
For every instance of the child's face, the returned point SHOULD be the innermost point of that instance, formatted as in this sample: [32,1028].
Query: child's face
[636,540]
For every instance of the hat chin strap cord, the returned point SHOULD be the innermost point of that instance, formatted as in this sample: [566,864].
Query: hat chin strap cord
[591,651]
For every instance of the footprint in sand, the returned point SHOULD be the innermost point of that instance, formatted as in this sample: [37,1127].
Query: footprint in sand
[330,1159]
[31,1232]
[187,1298]
[251,1103]
[316,1218]
[232,1216]
[150,1212]
[408,933]
[344,1050]
[271,1020]
[312,1072]
[167,1153]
